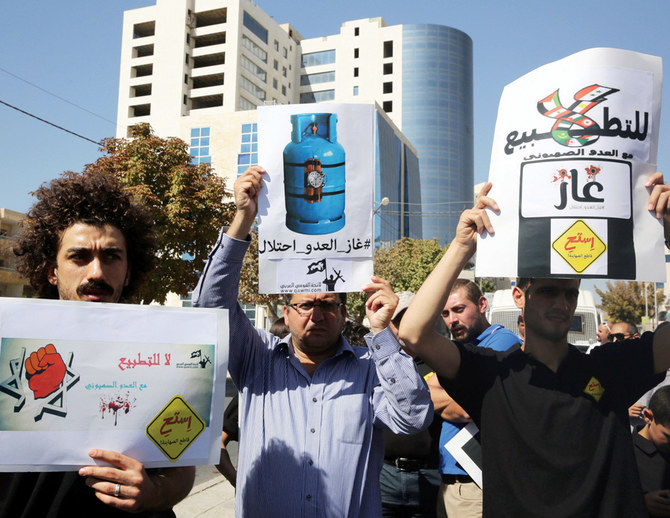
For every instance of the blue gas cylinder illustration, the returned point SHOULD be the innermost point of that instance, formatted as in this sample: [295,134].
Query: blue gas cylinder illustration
[314,175]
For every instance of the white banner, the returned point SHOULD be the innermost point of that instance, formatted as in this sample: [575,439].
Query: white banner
[146,381]
[574,144]
[315,210]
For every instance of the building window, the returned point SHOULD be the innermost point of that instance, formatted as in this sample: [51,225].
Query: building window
[248,155]
[246,104]
[388,68]
[283,89]
[187,59]
[356,53]
[144,30]
[357,31]
[285,51]
[254,49]
[317,97]
[355,71]
[276,44]
[388,106]
[185,79]
[185,100]
[275,65]
[274,84]
[283,71]
[200,146]
[255,27]
[250,312]
[355,90]
[388,88]
[249,65]
[252,88]
[326,57]
[143,51]
[315,79]
[388,49]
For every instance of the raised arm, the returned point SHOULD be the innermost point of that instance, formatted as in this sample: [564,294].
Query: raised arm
[417,328]
[401,400]
[659,203]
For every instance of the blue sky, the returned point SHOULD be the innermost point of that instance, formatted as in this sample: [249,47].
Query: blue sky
[72,49]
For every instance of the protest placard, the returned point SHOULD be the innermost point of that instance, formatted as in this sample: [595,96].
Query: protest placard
[315,210]
[146,381]
[574,144]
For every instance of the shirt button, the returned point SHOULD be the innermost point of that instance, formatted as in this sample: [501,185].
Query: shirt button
[308,497]
[392,380]
[377,347]
[312,430]
[314,399]
[311,463]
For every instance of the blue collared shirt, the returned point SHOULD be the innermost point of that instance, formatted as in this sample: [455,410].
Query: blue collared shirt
[311,446]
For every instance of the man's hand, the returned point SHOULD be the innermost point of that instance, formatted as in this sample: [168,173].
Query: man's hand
[474,221]
[137,490]
[381,303]
[636,410]
[45,371]
[658,502]
[246,189]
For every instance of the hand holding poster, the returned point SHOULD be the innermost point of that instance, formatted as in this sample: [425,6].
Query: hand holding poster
[575,142]
[145,381]
[315,209]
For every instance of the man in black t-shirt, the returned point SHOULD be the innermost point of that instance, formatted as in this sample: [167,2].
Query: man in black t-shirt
[553,421]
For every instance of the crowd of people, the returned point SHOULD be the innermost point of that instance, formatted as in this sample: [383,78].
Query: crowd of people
[332,427]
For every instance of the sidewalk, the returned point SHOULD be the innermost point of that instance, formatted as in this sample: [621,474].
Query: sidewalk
[211,496]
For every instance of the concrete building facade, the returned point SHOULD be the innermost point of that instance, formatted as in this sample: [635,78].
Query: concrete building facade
[197,69]
[11,283]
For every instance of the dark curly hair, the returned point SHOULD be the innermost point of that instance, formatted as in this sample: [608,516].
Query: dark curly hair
[94,199]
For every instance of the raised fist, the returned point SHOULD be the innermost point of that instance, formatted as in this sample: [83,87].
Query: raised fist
[45,370]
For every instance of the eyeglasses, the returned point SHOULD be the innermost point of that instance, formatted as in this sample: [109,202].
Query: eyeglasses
[615,337]
[305,309]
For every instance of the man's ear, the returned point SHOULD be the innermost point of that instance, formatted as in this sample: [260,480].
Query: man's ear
[648,415]
[52,275]
[483,304]
[519,297]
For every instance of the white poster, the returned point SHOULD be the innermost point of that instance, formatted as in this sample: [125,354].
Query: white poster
[315,209]
[145,381]
[466,448]
[574,144]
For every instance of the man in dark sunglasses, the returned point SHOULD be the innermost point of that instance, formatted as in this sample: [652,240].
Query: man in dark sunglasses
[623,331]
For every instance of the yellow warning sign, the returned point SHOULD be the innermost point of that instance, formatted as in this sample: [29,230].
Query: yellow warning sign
[579,246]
[175,428]
[594,389]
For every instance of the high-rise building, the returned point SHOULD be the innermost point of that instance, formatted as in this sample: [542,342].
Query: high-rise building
[11,283]
[197,69]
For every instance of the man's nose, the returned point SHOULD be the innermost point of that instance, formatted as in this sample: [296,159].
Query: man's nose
[94,269]
[317,314]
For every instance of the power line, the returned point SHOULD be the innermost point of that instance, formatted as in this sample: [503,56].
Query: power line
[56,96]
[50,123]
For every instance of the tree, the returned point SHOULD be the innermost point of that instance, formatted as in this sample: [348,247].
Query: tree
[624,300]
[249,280]
[405,264]
[186,201]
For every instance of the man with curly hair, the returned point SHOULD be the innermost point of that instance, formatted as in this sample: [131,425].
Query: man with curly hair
[85,239]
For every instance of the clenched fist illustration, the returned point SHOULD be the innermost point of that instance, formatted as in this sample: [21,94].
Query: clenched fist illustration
[45,370]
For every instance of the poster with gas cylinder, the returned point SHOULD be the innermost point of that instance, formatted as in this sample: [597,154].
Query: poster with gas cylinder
[575,144]
[315,209]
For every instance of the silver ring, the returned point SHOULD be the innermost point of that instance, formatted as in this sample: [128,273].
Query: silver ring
[117,490]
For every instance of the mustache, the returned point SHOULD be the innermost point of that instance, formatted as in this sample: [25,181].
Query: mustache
[95,286]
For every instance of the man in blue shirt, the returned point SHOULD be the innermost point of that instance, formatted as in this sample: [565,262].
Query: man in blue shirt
[465,316]
[312,407]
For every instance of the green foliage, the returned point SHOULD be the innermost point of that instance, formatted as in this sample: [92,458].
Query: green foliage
[487,286]
[249,280]
[624,300]
[406,264]
[187,203]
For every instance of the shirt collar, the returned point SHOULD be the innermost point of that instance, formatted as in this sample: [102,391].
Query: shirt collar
[285,344]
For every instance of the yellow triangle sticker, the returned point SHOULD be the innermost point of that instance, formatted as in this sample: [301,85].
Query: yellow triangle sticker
[175,428]
[594,389]
[579,246]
